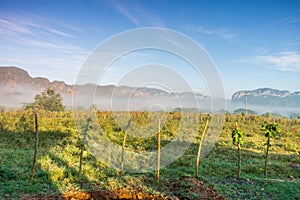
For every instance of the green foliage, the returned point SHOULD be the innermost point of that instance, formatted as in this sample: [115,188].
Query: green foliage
[140,118]
[57,164]
[48,100]
[270,129]
[25,123]
[237,136]
[6,174]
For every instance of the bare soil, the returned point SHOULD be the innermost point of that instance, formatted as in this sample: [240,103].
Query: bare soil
[178,189]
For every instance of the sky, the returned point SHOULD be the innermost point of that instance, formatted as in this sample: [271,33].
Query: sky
[253,44]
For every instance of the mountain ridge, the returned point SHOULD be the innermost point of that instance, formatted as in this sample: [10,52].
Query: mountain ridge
[263,92]
[16,81]
[14,77]
[268,97]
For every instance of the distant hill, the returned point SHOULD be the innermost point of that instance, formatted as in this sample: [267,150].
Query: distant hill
[268,97]
[13,77]
[16,82]
[241,110]
[18,87]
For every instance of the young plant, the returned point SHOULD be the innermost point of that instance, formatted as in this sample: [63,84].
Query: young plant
[270,130]
[237,139]
[82,145]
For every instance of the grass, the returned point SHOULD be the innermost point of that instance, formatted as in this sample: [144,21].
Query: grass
[58,163]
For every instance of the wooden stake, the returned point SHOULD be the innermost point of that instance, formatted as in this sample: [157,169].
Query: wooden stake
[82,146]
[266,159]
[158,151]
[239,155]
[199,149]
[240,160]
[36,146]
[123,145]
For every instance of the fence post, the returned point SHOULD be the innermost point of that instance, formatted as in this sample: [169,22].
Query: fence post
[82,146]
[199,149]
[158,151]
[36,145]
[123,145]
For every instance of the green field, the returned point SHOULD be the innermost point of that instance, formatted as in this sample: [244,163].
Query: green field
[56,172]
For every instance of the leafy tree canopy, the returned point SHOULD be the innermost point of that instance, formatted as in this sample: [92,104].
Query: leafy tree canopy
[237,136]
[270,129]
[48,100]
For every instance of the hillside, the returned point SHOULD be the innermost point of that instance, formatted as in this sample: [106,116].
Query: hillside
[13,77]
[268,97]
[18,87]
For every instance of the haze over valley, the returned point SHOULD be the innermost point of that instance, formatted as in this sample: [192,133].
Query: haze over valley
[19,88]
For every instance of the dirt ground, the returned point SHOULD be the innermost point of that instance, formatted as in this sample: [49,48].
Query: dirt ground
[176,188]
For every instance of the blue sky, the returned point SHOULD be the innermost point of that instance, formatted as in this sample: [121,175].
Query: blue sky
[253,43]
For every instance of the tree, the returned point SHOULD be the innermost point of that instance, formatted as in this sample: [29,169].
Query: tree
[48,100]
[2,108]
[93,107]
[269,130]
[237,136]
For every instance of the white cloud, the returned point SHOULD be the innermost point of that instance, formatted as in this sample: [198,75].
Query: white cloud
[40,45]
[286,61]
[140,13]
[43,44]
[149,16]
[223,33]
[8,27]
[294,42]
[35,31]
[13,24]
[289,20]
[122,10]
[153,19]
[57,32]
[263,50]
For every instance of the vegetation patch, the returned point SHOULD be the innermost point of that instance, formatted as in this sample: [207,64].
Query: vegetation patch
[58,161]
